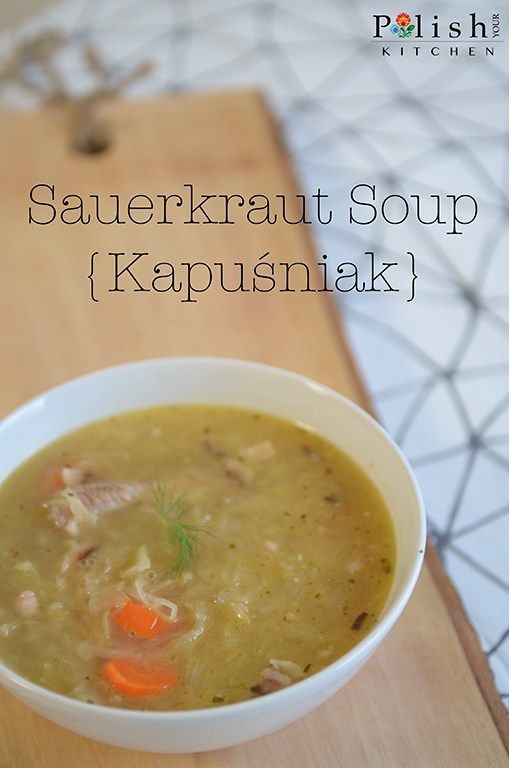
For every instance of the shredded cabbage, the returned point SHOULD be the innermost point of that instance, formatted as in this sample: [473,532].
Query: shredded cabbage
[142,563]
[164,608]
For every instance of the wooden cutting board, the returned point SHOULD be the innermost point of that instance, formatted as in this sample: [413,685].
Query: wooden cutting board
[426,699]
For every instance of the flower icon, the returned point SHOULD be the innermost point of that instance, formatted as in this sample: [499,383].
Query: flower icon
[402,27]
[403,19]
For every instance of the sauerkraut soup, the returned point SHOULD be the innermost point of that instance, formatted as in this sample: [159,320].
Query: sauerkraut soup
[188,556]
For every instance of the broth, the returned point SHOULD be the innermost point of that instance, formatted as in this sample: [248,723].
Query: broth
[188,556]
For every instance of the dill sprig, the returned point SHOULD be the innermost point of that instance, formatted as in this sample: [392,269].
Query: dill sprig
[184,538]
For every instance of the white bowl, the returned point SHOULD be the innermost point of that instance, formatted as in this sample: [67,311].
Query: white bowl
[243,384]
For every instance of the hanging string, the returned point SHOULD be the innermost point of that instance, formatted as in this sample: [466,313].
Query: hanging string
[33,66]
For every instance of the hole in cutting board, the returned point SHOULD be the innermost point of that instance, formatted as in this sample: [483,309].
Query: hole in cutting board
[91,144]
[91,134]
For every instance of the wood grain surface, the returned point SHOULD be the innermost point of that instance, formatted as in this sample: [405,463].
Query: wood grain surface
[425,699]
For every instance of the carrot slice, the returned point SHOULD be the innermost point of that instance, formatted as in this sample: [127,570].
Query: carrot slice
[141,621]
[55,481]
[132,679]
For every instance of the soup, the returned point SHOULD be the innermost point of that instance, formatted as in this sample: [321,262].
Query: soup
[188,556]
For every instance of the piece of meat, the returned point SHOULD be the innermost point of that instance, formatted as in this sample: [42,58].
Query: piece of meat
[271,680]
[72,476]
[107,497]
[85,503]
[287,667]
[27,603]
[279,674]
[239,471]
[258,453]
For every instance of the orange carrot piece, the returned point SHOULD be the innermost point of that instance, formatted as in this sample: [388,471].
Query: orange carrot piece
[55,481]
[141,621]
[132,679]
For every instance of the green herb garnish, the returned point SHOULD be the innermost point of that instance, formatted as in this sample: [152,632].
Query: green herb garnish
[183,537]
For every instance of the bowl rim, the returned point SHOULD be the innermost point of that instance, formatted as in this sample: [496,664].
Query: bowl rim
[312,682]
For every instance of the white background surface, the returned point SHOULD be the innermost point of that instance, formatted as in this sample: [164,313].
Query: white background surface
[438,368]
